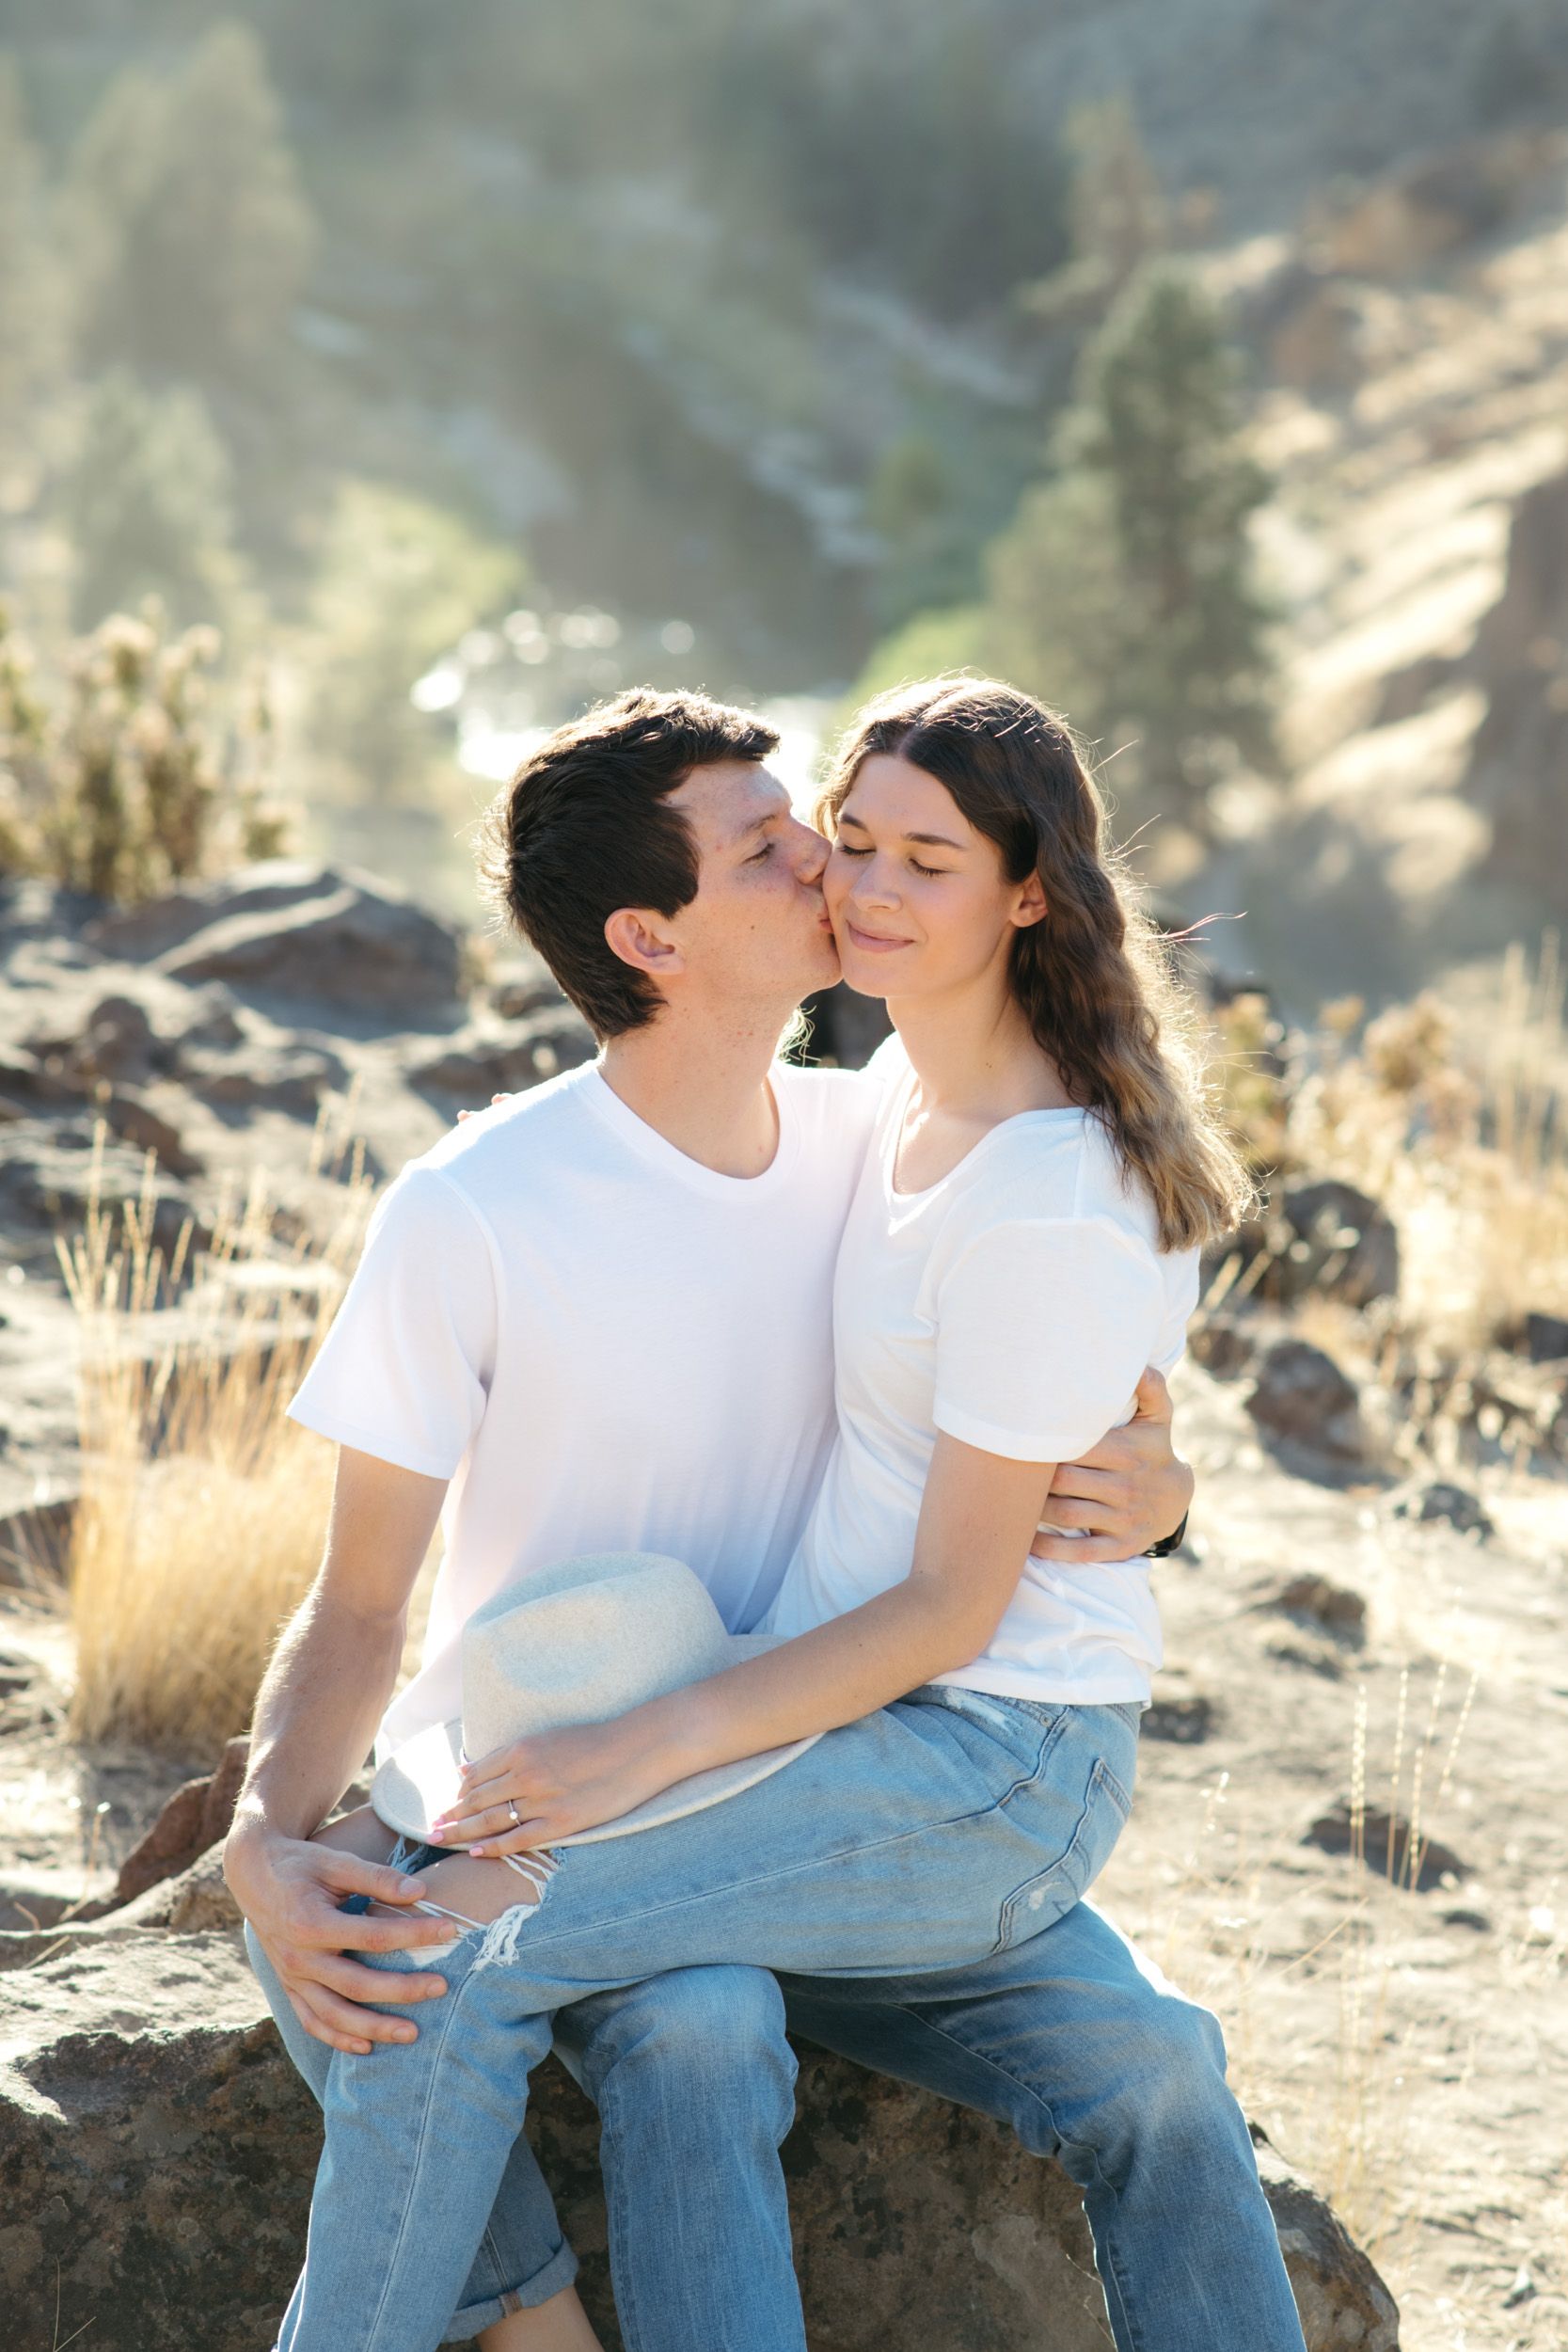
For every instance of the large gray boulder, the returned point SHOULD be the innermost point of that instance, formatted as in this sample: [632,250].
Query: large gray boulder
[156,2154]
[312,934]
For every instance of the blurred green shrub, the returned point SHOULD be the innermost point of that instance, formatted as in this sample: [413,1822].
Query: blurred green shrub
[145,505]
[132,770]
[399,582]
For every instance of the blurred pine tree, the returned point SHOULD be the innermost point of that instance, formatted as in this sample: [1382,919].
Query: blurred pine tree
[191,235]
[1125,589]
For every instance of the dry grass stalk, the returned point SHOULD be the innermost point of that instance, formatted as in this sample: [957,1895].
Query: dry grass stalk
[1349,2121]
[202,1508]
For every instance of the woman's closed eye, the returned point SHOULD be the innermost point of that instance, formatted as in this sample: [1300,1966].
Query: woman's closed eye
[849,850]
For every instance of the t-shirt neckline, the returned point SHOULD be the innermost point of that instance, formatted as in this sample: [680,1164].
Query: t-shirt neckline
[899,1104]
[661,1154]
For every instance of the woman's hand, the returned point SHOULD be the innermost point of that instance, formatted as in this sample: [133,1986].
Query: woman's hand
[539,1789]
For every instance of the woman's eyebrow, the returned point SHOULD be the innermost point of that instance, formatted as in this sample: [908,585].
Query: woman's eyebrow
[930,840]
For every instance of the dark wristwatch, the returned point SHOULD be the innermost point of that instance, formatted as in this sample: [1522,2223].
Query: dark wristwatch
[1167,1544]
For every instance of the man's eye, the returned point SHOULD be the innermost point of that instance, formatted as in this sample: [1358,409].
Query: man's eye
[757,856]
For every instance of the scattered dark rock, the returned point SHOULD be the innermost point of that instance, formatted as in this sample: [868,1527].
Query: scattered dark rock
[1476,1920]
[349,942]
[133,1119]
[27,1081]
[157,2149]
[1456,1504]
[1342,1243]
[1319,1602]
[1341,2301]
[1223,1346]
[34,1543]
[286,1077]
[119,1041]
[1522,2291]
[482,1060]
[49,1173]
[1185,1717]
[1545,1338]
[517,999]
[1385,1847]
[1302,1395]
[1320,1658]
[194,1819]
[139,933]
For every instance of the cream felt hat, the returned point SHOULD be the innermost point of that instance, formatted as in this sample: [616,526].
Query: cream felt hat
[579,1642]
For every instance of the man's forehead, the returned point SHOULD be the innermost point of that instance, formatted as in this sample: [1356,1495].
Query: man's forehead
[728,798]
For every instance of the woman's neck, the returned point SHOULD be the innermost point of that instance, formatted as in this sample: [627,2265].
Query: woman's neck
[974,1054]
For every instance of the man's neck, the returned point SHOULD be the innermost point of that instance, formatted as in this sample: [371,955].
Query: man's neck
[703,1086]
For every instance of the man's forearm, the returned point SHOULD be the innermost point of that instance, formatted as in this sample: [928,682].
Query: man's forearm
[316,1714]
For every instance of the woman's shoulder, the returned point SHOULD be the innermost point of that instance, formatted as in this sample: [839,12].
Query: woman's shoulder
[1055,1166]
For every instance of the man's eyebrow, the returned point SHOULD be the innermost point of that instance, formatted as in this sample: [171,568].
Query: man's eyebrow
[930,840]
[767,817]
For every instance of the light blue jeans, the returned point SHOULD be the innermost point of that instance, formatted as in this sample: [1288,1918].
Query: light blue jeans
[935,1833]
[1071,2038]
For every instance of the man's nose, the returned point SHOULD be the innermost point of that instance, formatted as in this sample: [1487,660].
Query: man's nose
[811,854]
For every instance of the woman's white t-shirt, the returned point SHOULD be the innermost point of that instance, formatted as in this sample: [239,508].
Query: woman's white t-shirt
[1014,1305]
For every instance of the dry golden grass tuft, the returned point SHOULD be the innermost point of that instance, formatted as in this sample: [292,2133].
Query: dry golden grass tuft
[203,1509]
[1464,1140]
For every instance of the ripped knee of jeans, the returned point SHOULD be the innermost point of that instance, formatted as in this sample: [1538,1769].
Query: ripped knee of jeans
[503,1934]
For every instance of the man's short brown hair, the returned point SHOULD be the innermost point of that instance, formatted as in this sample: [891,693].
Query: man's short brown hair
[584,829]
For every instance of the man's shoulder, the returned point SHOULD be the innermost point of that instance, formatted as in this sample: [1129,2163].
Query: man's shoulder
[525,1131]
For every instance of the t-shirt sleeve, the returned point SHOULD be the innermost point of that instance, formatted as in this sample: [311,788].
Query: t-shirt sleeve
[406,1368]
[1044,1329]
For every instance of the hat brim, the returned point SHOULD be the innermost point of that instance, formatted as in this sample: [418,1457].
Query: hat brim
[422,1778]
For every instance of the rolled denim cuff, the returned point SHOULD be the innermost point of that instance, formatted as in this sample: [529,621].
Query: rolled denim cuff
[559,2272]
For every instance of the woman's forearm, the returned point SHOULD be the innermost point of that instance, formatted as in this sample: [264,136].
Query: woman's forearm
[832,1675]
[977,1515]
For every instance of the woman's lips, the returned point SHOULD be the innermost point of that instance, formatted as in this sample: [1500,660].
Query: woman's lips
[870,942]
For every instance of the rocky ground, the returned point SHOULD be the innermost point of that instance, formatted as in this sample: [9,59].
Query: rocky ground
[1344,1649]
[243,1033]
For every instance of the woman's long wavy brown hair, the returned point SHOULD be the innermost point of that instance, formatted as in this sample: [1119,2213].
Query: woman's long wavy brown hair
[1094,977]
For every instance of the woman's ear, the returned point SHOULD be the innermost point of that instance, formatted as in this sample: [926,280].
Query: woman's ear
[1031,907]
[638,937]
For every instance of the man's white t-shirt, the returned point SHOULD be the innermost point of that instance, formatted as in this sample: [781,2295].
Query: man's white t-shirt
[1014,1305]
[603,1345]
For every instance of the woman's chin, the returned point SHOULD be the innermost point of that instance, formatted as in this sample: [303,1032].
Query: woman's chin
[862,973]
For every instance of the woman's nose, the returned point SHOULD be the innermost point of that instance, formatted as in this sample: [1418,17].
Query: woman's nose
[874,886]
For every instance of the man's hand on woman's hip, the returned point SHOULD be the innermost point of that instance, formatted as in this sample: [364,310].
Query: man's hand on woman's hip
[289,1890]
[1130,1491]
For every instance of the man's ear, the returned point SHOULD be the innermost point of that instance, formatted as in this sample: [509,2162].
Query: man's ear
[637,936]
